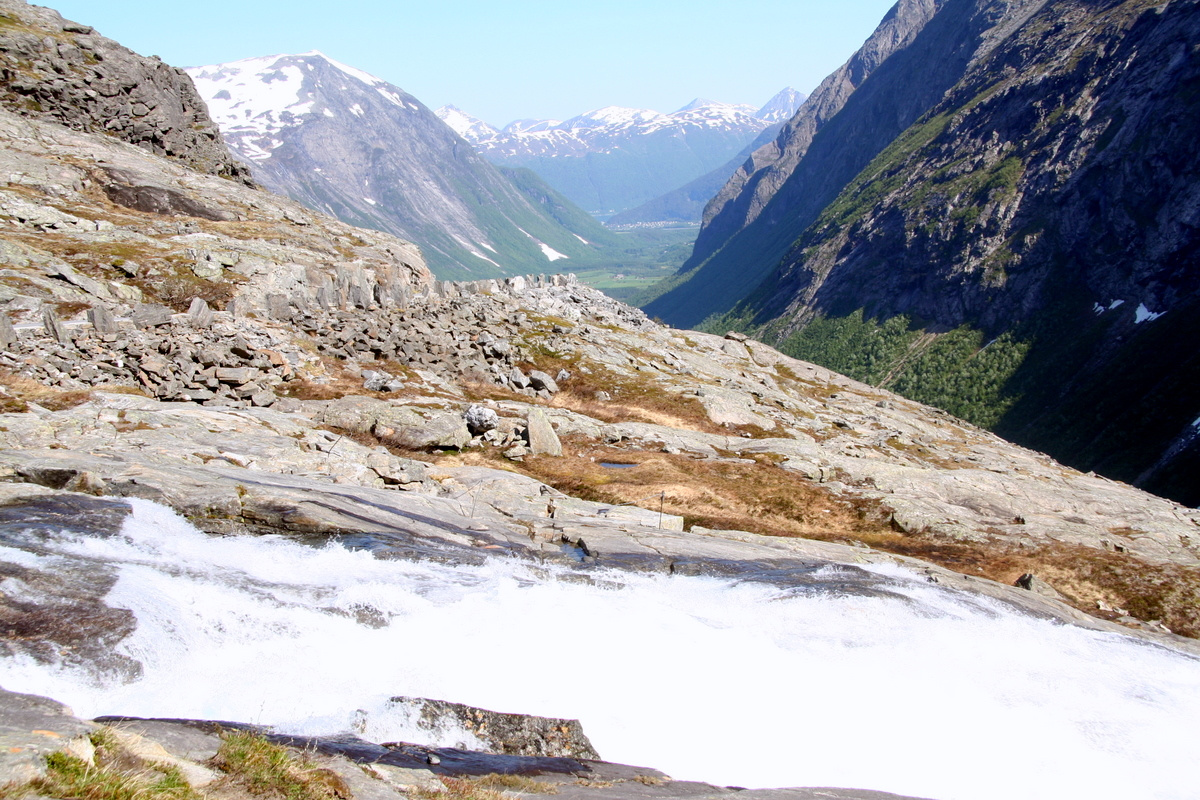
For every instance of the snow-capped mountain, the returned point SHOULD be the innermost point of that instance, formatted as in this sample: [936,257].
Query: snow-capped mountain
[465,125]
[352,145]
[615,158]
[782,106]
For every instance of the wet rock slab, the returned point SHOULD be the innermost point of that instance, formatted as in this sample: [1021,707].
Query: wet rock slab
[32,728]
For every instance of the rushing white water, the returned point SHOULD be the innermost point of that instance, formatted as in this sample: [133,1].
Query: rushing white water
[742,684]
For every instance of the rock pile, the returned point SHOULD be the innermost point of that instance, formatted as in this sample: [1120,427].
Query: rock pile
[482,330]
[200,356]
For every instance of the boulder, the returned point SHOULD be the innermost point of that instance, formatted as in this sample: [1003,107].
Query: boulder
[199,313]
[102,320]
[497,732]
[150,315]
[481,419]
[540,380]
[33,727]
[445,431]
[518,379]
[367,415]
[540,433]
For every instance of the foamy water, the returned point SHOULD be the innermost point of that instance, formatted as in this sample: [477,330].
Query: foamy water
[736,684]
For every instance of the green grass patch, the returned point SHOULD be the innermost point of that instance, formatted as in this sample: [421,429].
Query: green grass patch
[69,777]
[269,770]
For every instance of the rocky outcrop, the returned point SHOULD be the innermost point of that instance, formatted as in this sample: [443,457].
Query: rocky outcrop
[497,732]
[114,279]
[65,72]
[358,770]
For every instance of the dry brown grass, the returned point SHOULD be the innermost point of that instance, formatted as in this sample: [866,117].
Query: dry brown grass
[1087,577]
[758,497]
[458,789]
[20,391]
[514,783]
[763,498]
[342,383]
[17,391]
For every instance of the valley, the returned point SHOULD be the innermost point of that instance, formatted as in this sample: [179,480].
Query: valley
[331,452]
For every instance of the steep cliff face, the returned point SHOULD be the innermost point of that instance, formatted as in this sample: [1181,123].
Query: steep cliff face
[1025,254]
[918,52]
[355,147]
[67,73]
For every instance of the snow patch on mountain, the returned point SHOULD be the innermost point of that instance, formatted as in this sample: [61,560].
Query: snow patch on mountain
[462,123]
[1143,314]
[256,97]
[550,252]
[607,129]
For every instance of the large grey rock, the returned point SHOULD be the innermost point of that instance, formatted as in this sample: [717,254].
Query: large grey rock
[7,334]
[149,315]
[364,414]
[540,433]
[446,431]
[72,75]
[102,319]
[540,380]
[481,419]
[497,732]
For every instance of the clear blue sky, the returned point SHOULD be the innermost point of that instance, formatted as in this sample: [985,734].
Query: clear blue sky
[522,58]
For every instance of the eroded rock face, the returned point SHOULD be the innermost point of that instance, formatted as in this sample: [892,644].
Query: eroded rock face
[68,73]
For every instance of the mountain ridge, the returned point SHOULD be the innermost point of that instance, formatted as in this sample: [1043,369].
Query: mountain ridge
[621,157]
[326,134]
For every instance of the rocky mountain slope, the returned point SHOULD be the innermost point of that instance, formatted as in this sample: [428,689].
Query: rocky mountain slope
[357,148]
[54,69]
[1020,255]
[738,246]
[613,159]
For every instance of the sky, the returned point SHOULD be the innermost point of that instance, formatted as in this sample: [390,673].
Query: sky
[521,59]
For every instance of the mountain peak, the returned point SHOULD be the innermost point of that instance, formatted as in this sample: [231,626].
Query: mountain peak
[353,72]
[468,127]
[782,106]
[699,102]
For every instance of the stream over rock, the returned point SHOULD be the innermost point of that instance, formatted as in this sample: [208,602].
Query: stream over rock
[872,677]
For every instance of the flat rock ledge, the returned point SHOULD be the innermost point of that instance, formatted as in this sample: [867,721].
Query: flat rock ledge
[32,727]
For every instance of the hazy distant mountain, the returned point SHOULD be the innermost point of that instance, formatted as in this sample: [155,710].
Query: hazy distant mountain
[349,144]
[685,205]
[616,158]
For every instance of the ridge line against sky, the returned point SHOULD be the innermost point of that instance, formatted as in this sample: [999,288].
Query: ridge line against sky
[527,59]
